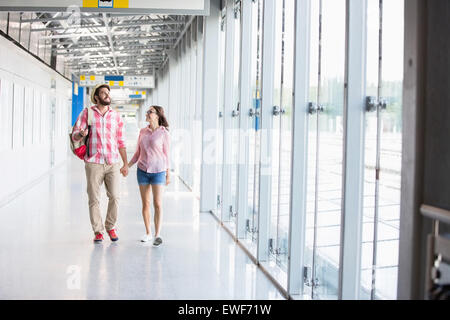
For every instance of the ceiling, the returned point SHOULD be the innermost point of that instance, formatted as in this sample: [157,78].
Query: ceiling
[107,43]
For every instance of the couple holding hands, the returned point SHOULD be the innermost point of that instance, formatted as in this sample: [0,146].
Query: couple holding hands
[104,146]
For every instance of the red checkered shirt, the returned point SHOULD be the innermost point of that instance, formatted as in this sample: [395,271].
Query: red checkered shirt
[105,137]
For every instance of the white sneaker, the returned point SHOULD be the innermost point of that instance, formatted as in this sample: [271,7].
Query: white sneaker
[146,238]
[157,242]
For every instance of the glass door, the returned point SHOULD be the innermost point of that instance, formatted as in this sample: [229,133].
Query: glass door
[278,66]
[254,132]
[325,149]
[286,112]
[282,132]
[236,111]
[383,144]
[221,112]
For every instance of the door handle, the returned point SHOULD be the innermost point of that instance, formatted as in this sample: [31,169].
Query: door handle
[315,108]
[372,103]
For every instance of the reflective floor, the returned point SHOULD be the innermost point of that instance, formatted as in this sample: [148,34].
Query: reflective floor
[46,248]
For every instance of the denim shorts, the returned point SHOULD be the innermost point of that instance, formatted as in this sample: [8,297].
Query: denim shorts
[145,178]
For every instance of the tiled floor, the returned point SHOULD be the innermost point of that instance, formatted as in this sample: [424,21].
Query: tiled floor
[46,248]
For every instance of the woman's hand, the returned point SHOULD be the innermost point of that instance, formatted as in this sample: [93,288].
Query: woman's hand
[167,178]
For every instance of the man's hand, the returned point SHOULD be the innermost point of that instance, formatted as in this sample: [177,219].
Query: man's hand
[124,170]
[80,135]
[84,133]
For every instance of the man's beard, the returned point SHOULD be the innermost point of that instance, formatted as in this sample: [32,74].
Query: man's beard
[103,102]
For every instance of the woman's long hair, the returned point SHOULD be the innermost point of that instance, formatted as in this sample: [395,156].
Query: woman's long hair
[162,118]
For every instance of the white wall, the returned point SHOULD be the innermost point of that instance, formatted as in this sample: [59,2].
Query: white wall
[26,119]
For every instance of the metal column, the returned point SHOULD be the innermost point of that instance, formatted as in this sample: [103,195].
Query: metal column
[353,178]
[297,226]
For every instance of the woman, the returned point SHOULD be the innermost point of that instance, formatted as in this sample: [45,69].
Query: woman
[152,157]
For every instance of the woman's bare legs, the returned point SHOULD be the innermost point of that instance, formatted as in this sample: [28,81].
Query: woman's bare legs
[145,196]
[157,203]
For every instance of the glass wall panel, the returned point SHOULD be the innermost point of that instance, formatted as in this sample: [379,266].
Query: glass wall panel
[373,27]
[34,38]
[286,133]
[221,111]
[3,21]
[275,159]
[254,132]
[329,191]
[235,119]
[312,148]
[383,150]
[60,67]
[14,25]
[41,44]
[25,30]
[192,94]
[391,146]
[282,131]
[325,171]
[198,105]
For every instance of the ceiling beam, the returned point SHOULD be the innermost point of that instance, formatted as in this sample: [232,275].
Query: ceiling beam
[110,55]
[109,69]
[116,33]
[108,31]
[75,49]
[145,23]
[84,15]
[118,40]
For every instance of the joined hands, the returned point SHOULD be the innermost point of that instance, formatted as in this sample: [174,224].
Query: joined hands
[124,170]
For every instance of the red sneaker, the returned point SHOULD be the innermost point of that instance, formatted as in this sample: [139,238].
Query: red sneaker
[113,235]
[98,237]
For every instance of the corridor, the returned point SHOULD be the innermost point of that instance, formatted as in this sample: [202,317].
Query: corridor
[46,248]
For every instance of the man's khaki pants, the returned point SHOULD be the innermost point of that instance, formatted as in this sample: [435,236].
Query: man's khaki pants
[95,175]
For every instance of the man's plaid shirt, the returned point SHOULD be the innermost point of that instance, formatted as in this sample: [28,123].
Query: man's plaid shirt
[105,137]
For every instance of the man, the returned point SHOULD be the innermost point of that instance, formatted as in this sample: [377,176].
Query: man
[105,143]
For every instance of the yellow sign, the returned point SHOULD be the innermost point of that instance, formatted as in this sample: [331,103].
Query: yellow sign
[92,78]
[105,4]
[111,83]
[144,92]
[137,92]
[82,78]
[121,83]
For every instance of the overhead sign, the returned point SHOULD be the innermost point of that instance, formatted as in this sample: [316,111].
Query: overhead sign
[182,7]
[105,4]
[140,81]
[138,95]
[147,82]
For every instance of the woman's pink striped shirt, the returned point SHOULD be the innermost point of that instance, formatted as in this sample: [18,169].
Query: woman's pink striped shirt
[152,153]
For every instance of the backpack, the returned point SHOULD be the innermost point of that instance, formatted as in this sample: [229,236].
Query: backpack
[80,147]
